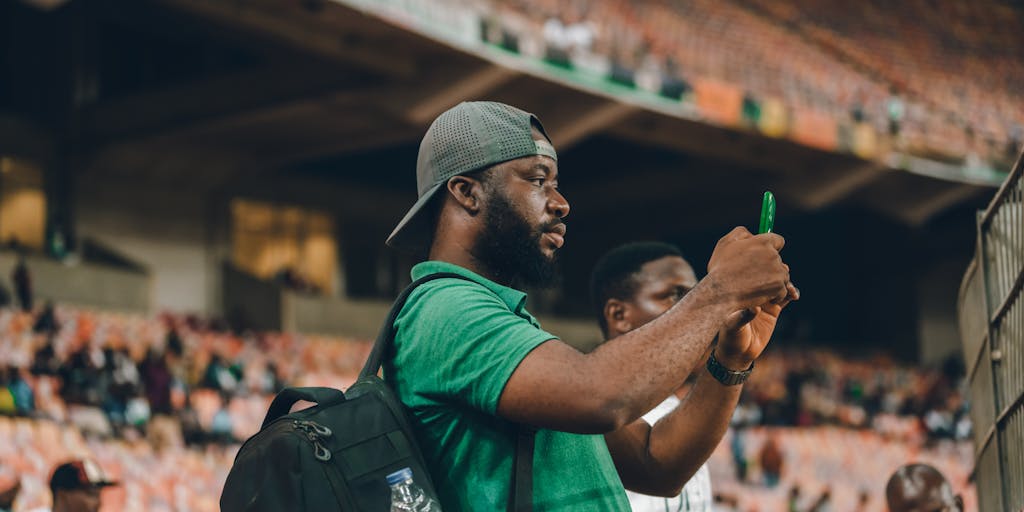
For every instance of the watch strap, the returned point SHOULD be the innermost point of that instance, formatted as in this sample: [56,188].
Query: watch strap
[726,376]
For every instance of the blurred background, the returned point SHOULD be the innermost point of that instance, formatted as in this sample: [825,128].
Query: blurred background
[194,196]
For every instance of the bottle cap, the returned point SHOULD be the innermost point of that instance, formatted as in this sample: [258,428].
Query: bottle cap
[399,476]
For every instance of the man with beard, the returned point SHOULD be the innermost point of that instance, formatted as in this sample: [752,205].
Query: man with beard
[475,369]
[666,448]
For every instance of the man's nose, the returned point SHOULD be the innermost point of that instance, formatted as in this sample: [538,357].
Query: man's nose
[558,204]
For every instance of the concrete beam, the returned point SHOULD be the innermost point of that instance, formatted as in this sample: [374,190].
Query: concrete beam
[469,87]
[588,123]
[340,145]
[210,99]
[823,192]
[917,214]
[319,32]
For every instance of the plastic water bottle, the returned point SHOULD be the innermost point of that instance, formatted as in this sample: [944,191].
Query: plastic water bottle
[406,496]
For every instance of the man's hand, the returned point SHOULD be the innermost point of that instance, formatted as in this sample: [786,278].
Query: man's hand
[746,270]
[747,332]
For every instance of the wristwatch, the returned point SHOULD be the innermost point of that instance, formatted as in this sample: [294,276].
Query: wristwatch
[726,376]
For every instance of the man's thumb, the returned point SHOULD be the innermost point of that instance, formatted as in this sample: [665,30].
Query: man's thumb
[740,318]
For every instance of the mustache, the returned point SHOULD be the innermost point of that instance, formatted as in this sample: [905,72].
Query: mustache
[550,226]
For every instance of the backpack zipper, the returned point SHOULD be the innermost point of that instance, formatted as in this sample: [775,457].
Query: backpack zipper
[315,433]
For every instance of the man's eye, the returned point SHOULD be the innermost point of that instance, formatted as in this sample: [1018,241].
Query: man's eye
[538,181]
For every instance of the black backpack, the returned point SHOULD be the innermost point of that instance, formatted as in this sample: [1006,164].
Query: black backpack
[336,455]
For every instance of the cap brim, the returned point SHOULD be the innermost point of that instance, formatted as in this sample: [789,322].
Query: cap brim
[413,232]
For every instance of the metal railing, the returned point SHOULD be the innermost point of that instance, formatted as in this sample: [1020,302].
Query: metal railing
[991,314]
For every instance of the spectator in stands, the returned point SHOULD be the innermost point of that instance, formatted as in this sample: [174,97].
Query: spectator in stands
[82,375]
[22,279]
[222,427]
[221,376]
[738,449]
[46,322]
[823,503]
[1013,143]
[21,392]
[793,501]
[916,487]
[8,406]
[863,500]
[76,486]
[156,380]
[632,285]
[173,342]
[5,295]
[557,42]
[192,432]
[771,460]
[895,110]
[469,358]
[45,360]
[122,383]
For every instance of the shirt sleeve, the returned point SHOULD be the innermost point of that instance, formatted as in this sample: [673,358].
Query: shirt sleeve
[460,343]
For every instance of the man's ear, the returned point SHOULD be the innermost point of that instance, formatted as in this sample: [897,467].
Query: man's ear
[617,315]
[467,192]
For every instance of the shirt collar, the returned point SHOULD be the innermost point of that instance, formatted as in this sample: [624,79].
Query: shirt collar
[514,299]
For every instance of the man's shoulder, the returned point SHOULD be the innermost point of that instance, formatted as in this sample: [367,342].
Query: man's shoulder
[449,291]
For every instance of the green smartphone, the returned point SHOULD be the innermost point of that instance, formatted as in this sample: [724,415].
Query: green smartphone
[767,213]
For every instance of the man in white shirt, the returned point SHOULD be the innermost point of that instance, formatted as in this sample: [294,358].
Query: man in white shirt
[630,286]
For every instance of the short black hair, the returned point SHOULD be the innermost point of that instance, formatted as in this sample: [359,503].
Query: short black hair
[614,275]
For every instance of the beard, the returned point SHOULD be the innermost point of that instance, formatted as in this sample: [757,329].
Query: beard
[510,247]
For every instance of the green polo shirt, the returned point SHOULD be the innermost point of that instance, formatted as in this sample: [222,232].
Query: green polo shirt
[456,345]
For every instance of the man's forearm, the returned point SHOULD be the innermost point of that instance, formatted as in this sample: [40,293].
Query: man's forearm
[643,367]
[681,441]
[660,459]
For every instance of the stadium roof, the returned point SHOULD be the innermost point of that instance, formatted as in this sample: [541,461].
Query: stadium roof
[250,90]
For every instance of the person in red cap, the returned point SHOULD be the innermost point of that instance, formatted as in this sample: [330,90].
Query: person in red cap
[76,486]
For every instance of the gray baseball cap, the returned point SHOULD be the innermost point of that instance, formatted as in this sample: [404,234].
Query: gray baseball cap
[468,137]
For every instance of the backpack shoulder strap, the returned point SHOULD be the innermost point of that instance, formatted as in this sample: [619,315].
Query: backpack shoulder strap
[387,331]
[522,475]
[522,471]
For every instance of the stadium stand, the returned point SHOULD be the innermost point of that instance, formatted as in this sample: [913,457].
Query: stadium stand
[900,68]
[154,399]
[925,50]
[817,459]
[162,402]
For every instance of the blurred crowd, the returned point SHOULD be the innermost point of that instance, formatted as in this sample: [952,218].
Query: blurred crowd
[175,379]
[824,468]
[942,89]
[158,399]
[807,418]
[817,387]
[161,403]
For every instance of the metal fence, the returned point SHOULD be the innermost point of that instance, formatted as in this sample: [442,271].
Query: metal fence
[991,315]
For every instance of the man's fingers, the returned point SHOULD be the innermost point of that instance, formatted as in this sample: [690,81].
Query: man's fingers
[737,233]
[781,294]
[792,293]
[776,240]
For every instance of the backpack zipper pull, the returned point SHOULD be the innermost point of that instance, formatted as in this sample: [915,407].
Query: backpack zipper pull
[314,431]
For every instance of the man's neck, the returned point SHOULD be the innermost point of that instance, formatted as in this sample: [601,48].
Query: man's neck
[458,255]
